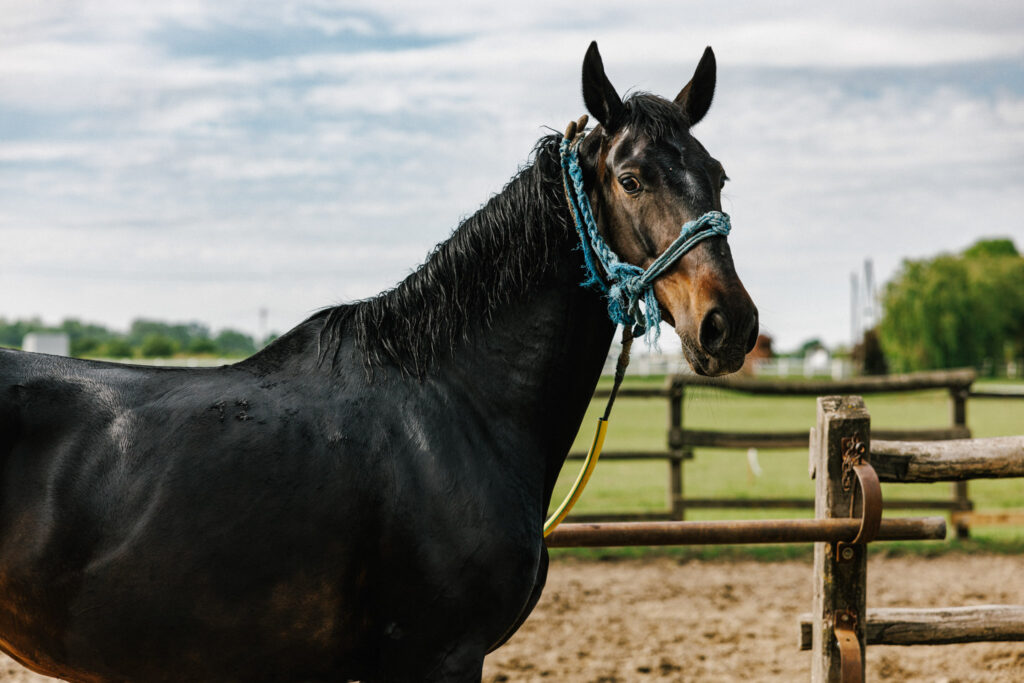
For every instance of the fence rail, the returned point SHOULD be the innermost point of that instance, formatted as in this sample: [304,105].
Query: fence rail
[996,394]
[959,460]
[961,379]
[936,626]
[682,442]
[697,438]
[840,626]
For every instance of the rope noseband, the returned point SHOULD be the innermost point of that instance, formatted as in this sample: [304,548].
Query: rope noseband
[624,284]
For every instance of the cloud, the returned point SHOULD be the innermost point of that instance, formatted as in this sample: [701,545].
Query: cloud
[293,154]
[346,35]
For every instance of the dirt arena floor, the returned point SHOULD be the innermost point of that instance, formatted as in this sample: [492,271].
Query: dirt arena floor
[669,620]
[662,620]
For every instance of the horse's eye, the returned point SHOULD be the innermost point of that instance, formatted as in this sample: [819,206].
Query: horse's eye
[630,184]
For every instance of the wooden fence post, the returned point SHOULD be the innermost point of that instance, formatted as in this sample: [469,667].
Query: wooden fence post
[676,503]
[958,407]
[839,582]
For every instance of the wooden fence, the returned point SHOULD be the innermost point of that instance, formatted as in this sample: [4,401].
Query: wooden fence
[681,442]
[840,626]
[842,452]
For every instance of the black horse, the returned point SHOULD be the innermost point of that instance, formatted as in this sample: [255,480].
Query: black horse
[363,499]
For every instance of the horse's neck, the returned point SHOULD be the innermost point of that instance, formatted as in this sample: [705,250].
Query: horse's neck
[511,328]
[539,360]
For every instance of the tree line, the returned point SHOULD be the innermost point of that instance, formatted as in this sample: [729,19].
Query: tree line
[953,310]
[144,339]
[956,310]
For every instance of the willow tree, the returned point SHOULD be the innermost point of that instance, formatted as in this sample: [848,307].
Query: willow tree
[956,310]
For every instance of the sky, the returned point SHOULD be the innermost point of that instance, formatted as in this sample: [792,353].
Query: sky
[189,160]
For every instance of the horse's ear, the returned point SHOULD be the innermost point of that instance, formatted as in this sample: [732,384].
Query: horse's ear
[602,101]
[695,97]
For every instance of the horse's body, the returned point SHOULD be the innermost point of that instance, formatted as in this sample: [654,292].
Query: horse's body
[305,520]
[362,499]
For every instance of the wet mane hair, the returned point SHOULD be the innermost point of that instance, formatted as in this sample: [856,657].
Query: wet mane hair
[502,251]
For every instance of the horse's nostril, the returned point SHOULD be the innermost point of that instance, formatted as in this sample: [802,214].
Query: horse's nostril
[755,330]
[752,339]
[714,330]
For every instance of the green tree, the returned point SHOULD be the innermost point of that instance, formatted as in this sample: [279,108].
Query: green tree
[202,345]
[158,346]
[181,334]
[117,347]
[993,247]
[85,338]
[810,346]
[84,346]
[11,333]
[952,311]
[234,343]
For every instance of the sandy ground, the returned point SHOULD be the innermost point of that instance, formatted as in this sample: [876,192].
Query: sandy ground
[666,620]
[662,620]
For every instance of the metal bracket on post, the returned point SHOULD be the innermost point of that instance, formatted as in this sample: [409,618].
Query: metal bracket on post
[855,464]
[845,628]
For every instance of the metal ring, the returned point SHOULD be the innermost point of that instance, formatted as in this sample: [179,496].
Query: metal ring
[871,510]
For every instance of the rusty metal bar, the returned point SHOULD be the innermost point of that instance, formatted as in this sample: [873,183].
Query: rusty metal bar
[808,503]
[748,531]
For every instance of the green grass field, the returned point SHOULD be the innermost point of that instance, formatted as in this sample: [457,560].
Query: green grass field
[641,424]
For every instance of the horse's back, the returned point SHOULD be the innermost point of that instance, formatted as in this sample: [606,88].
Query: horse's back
[291,517]
[44,399]
[160,508]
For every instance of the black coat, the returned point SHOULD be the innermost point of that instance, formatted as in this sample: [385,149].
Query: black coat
[324,510]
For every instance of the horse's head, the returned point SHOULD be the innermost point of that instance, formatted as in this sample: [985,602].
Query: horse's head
[647,176]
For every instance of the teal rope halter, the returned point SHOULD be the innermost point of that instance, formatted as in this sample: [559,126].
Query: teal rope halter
[624,284]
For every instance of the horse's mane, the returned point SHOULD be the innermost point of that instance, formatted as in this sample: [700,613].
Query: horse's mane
[500,252]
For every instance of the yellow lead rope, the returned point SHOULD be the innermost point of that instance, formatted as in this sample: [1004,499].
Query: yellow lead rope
[581,479]
[595,448]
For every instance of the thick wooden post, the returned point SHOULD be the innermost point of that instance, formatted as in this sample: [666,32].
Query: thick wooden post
[958,408]
[840,582]
[675,445]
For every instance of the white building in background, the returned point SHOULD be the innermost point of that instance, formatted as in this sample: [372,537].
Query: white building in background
[54,343]
[817,362]
[815,365]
